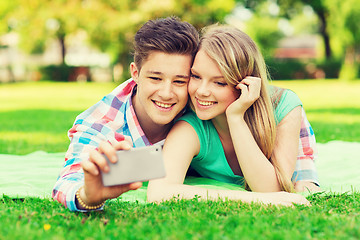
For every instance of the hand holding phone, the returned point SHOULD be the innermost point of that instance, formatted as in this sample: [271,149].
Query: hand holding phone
[135,165]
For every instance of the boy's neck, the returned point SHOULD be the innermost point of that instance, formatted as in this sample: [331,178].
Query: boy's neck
[153,132]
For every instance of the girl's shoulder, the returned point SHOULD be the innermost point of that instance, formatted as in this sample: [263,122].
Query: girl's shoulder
[284,101]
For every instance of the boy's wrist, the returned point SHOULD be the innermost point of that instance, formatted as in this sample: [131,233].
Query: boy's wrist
[81,201]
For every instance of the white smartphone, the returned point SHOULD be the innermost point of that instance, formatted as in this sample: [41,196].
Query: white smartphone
[135,165]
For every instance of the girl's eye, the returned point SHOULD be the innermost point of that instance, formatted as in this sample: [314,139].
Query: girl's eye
[194,76]
[155,78]
[222,84]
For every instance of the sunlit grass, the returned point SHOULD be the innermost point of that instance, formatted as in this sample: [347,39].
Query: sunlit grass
[37,115]
[332,107]
[52,95]
[329,217]
[325,94]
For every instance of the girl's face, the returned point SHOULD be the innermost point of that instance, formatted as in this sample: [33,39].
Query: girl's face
[208,90]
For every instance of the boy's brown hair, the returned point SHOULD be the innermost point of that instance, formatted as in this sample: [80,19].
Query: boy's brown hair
[168,35]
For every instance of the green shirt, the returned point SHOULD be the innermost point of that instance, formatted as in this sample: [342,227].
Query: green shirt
[211,161]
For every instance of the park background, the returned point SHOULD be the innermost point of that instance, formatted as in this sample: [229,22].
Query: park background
[84,40]
[59,57]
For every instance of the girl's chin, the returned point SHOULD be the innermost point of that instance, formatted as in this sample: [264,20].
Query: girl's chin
[203,116]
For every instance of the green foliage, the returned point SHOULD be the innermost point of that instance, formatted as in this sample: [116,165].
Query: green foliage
[331,216]
[56,72]
[283,69]
[345,31]
[109,25]
[265,32]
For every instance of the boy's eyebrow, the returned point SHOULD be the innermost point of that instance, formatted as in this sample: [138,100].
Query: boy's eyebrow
[183,76]
[154,72]
[160,73]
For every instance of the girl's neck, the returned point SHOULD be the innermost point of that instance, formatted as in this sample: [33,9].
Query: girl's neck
[221,124]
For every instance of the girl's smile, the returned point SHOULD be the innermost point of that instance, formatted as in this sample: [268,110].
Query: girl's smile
[209,92]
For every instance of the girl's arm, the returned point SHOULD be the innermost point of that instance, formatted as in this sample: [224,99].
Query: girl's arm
[257,169]
[181,145]
[287,141]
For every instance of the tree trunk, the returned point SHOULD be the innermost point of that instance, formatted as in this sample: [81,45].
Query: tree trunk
[324,34]
[349,69]
[63,48]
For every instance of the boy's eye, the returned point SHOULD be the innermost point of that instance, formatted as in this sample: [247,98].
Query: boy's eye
[180,82]
[155,78]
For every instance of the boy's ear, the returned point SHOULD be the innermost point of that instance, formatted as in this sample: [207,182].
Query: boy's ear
[134,72]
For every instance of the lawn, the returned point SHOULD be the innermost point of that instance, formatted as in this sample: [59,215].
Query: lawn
[36,116]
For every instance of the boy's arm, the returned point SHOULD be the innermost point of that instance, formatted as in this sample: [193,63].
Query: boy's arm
[91,127]
[305,176]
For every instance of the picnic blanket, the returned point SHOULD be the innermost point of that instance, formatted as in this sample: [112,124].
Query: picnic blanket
[34,175]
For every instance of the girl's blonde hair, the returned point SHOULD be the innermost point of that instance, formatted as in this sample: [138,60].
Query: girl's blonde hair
[238,57]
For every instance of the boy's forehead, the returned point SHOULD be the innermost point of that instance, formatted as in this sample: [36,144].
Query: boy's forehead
[160,63]
[154,54]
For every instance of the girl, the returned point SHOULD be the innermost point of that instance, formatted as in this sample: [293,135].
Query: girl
[233,136]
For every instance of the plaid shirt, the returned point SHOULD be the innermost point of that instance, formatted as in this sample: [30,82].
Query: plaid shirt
[305,165]
[108,120]
[113,117]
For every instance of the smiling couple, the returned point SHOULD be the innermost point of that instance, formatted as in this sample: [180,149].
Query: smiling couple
[211,101]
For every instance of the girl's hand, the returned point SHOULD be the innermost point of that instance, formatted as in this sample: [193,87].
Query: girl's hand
[281,198]
[249,93]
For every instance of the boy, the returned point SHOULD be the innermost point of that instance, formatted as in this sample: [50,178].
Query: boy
[142,108]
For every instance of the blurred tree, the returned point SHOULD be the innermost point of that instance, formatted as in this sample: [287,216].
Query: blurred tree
[345,29]
[290,8]
[6,21]
[263,27]
[110,24]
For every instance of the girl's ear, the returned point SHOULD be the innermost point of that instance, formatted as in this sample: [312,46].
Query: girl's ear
[134,72]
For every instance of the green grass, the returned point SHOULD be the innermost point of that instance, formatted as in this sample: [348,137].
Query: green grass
[330,217]
[332,107]
[36,116]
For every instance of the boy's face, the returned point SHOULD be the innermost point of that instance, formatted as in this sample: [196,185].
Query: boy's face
[162,87]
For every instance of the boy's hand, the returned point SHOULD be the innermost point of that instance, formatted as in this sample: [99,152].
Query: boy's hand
[94,191]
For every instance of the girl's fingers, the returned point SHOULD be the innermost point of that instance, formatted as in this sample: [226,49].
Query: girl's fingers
[254,86]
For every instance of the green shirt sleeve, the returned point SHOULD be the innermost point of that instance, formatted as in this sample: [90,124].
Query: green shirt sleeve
[288,101]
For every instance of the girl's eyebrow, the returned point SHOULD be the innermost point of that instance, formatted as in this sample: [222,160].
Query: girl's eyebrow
[192,70]
[216,77]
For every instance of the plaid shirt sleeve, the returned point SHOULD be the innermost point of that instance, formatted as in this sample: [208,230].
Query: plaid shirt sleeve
[305,165]
[105,121]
